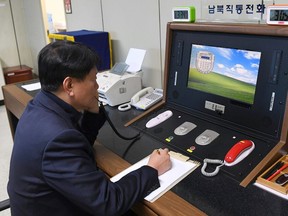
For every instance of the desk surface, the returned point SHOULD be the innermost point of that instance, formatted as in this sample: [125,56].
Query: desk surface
[195,195]
[219,195]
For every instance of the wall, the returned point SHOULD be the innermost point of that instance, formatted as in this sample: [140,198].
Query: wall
[132,23]
[9,40]
[8,46]
[34,28]
[85,15]
[137,27]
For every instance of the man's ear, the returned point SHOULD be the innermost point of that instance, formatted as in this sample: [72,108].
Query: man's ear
[68,86]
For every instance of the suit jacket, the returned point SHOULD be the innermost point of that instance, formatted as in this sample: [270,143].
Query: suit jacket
[53,170]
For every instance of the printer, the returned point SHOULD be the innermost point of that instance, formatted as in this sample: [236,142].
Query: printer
[117,89]
[123,81]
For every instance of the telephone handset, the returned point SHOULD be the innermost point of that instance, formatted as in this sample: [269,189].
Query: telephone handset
[140,94]
[146,98]
[236,154]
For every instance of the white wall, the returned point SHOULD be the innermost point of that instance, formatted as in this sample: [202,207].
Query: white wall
[8,47]
[139,28]
[34,28]
[132,23]
[86,14]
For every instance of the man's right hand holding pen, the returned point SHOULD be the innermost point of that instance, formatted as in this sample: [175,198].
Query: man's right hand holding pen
[160,160]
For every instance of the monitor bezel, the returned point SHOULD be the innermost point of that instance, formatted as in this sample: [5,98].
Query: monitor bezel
[257,118]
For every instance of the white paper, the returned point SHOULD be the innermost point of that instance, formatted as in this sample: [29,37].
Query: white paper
[32,87]
[135,59]
[180,169]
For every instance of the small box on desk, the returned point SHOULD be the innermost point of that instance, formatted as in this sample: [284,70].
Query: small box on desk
[271,177]
[17,74]
[99,41]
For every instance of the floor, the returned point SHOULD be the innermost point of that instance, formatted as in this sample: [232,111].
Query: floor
[6,144]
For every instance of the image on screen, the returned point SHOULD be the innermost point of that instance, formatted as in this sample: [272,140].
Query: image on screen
[230,73]
[279,15]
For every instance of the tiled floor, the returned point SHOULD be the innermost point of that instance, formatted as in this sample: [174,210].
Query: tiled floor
[5,152]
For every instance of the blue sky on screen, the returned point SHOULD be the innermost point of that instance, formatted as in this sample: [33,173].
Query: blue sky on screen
[239,64]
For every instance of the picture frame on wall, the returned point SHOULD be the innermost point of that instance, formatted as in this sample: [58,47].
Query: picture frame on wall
[67,6]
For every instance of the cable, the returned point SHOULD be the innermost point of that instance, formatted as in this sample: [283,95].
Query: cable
[113,127]
[129,146]
[211,161]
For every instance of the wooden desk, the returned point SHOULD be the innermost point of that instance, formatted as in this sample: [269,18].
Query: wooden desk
[168,204]
[16,100]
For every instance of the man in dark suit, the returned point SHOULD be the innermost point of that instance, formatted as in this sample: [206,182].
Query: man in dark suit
[53,170]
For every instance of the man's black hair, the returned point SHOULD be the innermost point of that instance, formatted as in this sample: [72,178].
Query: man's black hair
[61,59]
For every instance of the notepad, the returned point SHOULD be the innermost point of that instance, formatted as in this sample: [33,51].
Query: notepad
[32,87]
[181,167]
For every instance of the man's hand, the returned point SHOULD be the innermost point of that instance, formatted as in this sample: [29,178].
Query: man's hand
[160,160]
[93,105]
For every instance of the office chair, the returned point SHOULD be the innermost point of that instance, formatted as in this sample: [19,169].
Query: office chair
[4,204]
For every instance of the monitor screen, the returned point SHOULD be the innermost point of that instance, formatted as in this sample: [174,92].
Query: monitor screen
[226,72]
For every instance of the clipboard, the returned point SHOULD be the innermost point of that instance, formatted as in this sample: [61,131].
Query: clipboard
[182,166]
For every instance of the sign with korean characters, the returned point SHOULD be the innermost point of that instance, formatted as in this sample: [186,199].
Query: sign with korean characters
[234,10]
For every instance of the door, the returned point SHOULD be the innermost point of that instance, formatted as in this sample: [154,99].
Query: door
[53,17]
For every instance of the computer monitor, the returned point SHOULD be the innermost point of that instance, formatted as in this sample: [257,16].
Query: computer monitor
[227,72]
[235,79]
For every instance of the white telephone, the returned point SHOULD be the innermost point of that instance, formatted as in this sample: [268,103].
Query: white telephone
[146,97]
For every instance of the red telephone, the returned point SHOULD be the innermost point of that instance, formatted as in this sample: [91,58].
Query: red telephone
[238,152]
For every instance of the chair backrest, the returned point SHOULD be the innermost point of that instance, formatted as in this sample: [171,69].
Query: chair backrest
[4,204]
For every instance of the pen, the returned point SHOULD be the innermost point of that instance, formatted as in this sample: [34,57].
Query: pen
[273,170]
[277,172]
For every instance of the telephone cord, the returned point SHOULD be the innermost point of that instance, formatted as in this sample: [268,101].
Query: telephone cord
[211,161]
[113,127]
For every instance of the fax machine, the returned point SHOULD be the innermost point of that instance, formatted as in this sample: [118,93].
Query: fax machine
[117,89]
